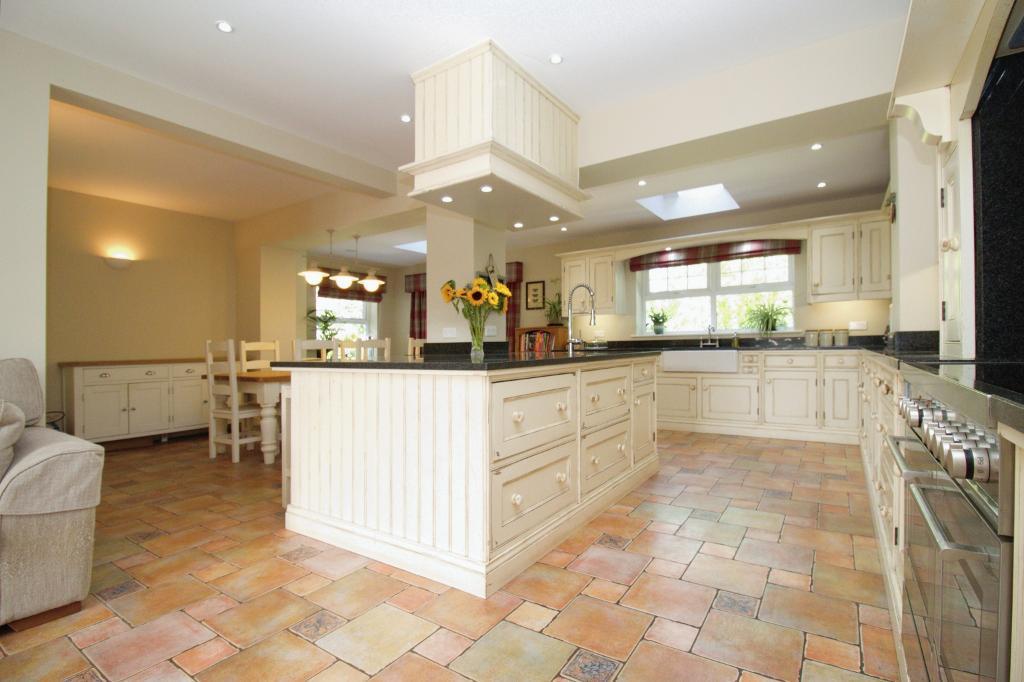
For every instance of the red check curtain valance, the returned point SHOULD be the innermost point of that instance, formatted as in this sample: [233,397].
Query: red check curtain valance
[356,292]
[715,253]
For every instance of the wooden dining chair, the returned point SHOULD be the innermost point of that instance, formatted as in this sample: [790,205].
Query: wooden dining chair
[416,347]
[374,349]
[228,414]
[322,350]
[259,348]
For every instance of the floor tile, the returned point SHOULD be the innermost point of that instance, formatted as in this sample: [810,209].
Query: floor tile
[792,558]
[712,531]
[557,558]
[281,658]
[751,644]
[817,539]
[169,568]
[54,660]
[412,667]
[831,652]
[356,593]
[727,574]
[673,599]
[662,546]
[604,590]
[412,599]
[671,633]
[510,653]
[317,625]
[879,653]
[669,569]
[253,551]
[667,513]
[622,526]
[210,607]
[146,605]
[819,672]
[92,612]
[847,523]
[468,615]
[610,564]
[340,672]
[547,585]
[599,626]
[335,563]
[736,603]
[656,663]
[259,578]
[444,646]
[99,632]
[750,518]
[203,656]
[580,540]
[844,583]
[307,584]
[165,671]
[811,612]
[797,581]
[789,507]
[376,638]
[172,543]
[704,502]
[249,622]
[136,650]
[533,616]
[586,666]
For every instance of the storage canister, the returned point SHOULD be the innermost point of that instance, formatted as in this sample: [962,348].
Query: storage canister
[811,337]
[825,338]
[841,337]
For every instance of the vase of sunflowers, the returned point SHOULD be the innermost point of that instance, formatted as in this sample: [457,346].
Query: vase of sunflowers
[475,302]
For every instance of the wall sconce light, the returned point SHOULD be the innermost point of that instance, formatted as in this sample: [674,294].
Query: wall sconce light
[119,259]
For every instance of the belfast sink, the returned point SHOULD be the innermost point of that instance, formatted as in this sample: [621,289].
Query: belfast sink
[700,360]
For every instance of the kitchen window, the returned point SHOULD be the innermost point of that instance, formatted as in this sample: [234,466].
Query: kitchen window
[356,319]
[717,294]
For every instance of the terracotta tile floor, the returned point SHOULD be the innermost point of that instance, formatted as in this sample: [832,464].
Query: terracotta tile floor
[742,559]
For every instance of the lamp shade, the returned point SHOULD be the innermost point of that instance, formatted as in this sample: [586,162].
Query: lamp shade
[313,277]
[344,279]
[371,282]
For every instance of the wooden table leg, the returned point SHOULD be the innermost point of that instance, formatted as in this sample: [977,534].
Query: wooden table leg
[268,396]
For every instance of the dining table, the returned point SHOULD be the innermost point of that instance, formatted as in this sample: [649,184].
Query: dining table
[265,385]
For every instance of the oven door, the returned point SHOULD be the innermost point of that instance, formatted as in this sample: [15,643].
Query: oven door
[958,582]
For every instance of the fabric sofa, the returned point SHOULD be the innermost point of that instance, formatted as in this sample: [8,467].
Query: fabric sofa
[48,499]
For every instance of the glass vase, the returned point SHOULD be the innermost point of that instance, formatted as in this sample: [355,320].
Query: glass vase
[476,335]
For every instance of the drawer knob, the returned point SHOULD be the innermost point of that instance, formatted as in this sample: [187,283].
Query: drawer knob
[104,375]
[150,372]
[517,499]
[561,477]
[560,406]
[124,409]
[594,398]
[133,409]
[621,447]
[190,371]
[595,460]
[877,382]
[636,402]
[621,391]
[518,417]
[789,361]
[878,427]
[644,372]
[693,387]
[767,381]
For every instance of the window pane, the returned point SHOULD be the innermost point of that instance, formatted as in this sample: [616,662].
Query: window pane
[657,280]
[754,271]
[677,278]
[730,270]
[692,313]
[697,276]
[732,309]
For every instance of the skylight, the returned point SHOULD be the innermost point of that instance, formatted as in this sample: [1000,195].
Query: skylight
[687,203]
[415,247]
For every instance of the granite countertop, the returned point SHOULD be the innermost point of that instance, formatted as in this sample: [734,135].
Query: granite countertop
[462,363]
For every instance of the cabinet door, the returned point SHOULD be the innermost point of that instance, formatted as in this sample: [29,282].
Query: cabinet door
[791,397]
[603,279]
[574,271]
[832,260]
[188,403]
[678,397]
[875,259]
[147,407]
[841,407]
[644,423]
[104,411]
[729,399]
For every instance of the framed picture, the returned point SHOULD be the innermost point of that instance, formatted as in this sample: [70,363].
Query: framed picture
[535,295]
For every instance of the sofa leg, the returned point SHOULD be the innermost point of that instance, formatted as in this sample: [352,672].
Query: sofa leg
[45,616]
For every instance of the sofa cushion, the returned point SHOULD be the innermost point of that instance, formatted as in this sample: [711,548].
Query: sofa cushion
[19,383]
[51,472]
[12,423]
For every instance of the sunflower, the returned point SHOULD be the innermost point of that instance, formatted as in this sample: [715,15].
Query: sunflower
[476,296]
[460,292]
[502,289]
[481,283]
[447,292]
[492,298]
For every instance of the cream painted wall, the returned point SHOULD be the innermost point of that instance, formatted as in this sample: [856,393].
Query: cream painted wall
[282,297]
[178,293]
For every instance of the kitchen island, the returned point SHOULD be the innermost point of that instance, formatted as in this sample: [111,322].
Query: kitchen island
[466,473]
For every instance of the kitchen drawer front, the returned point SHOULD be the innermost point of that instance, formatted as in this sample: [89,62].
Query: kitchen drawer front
[644,372]
[836,361]
[115,375]
[530,413]
[749,370]
[803,360]
[750,359]
[530,491]
[604,454]
[192,370]
[605,395]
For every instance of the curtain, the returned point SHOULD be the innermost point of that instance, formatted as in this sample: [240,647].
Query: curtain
[416,286]
[356,292]
[513,280]
[714,253]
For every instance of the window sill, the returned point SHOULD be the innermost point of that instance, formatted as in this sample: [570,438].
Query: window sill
[721,335]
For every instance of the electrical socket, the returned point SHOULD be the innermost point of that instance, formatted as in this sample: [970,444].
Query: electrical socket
[858,325]
[490,330]
[449,332]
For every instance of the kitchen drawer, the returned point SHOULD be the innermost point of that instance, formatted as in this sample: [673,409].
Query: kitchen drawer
[749,370]
[643,372]
[529,492]
[192,370]
[747,359]
[836,361]
[126,373]
[805,360]
[530,413]
[604,394]
[604,454]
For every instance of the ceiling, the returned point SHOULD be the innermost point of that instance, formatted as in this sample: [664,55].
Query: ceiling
[378,249]
[337,73]
[95,154]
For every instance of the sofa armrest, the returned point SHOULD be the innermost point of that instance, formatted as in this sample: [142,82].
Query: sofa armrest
[51,472]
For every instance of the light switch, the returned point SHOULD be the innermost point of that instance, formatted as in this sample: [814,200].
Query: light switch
[858,325]
[490,330]
[449,332]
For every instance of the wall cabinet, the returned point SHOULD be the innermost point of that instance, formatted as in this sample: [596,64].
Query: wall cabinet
[849,260]
[605,275]
[729,399]
[875,239]
[791,397]
[108,402]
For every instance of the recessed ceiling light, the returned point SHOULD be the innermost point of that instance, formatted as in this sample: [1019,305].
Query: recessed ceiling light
[486,188]
[223,26]
[641,183]
[447,199]
[405,118]
[555,58]
[668,248]
[564,228]
[822,185]
[816,146]
[518,226]
[553,219]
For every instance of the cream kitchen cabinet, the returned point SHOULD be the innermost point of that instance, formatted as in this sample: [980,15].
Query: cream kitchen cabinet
[729,399]
[125,400]
[791,397]
[645,422]
[850,260]
[875,262]
[678,397]
[605,275]
[840,407]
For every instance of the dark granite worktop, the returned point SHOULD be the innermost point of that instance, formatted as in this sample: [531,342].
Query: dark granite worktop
[462,363]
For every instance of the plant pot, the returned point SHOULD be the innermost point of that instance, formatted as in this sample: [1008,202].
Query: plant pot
[658,328]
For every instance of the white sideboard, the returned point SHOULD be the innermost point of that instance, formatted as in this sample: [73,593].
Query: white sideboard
[118,400]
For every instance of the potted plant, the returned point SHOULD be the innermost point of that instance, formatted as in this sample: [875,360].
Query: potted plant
[475,302]
[324,322]
[553,310]
[766,317]
[658,318]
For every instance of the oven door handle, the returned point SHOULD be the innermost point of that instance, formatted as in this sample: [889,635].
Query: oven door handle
[948,550]
[906,473]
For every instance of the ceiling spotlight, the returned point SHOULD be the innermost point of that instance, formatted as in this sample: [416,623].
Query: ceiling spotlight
[555,58]
[486,189]
[223,26]
[822,185]
[816,146]
[446,199]
[518,226]
[405,118]
[564,228]
[641,183]
[553,219]
[668,248]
